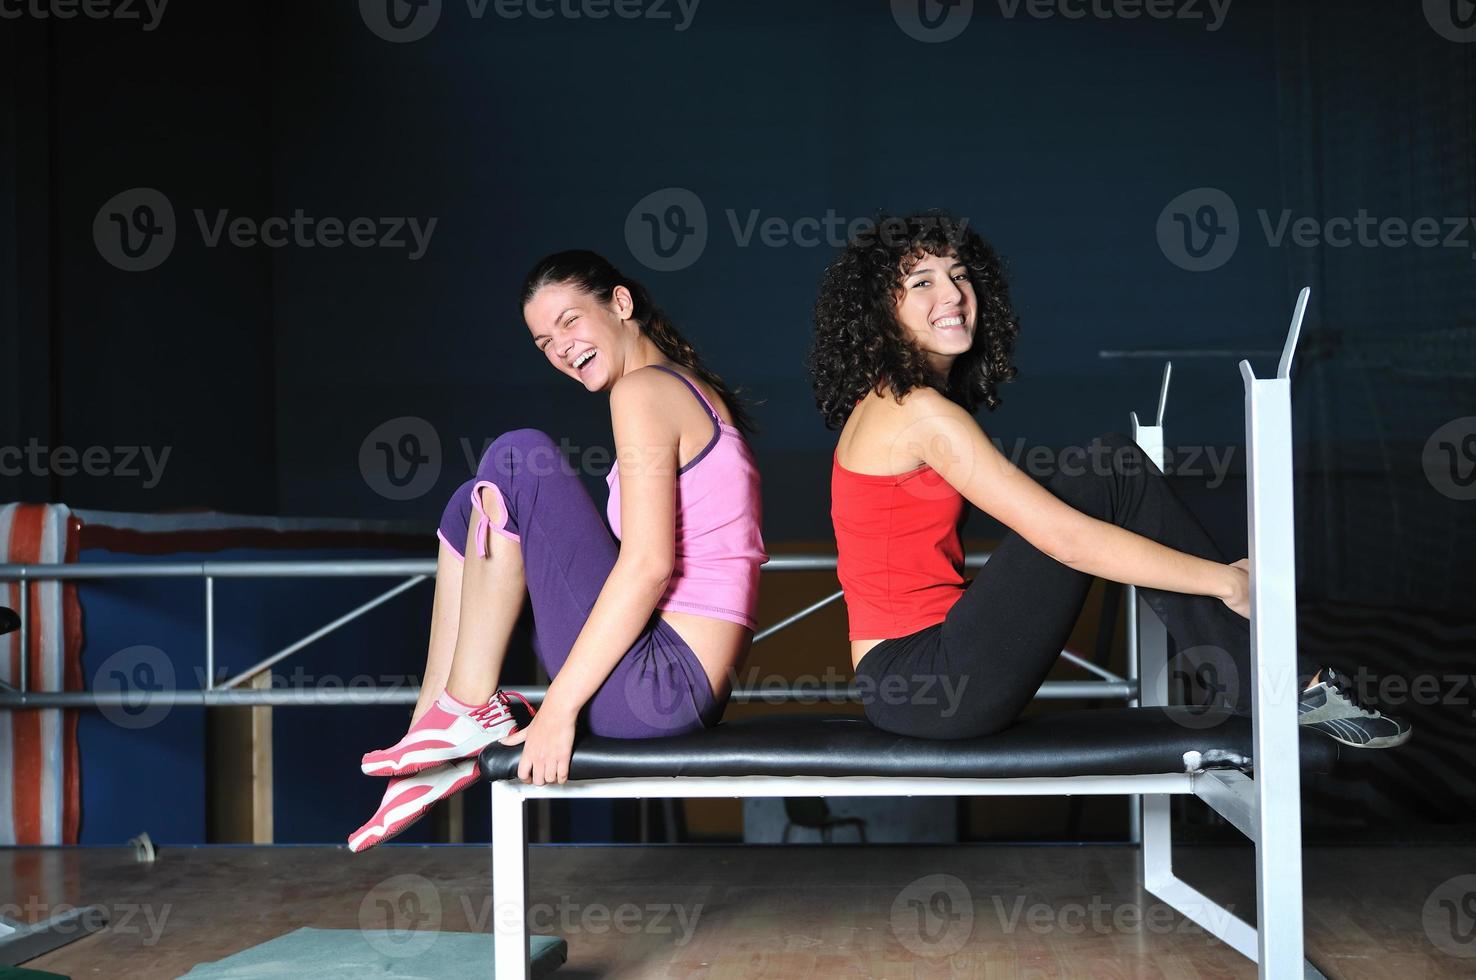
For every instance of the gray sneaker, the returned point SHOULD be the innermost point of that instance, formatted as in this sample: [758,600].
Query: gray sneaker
[1330,707]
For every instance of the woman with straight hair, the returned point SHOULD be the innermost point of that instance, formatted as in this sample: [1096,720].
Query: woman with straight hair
[914,330]
[639,631]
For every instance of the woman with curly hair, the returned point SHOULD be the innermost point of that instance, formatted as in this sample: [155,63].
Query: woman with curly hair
[914,330]
[639,631]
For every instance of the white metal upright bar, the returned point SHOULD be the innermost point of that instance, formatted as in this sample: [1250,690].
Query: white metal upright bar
[1272,537]
[1148,658]
[510,954]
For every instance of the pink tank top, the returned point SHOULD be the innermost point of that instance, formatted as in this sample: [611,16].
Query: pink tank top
[719,545]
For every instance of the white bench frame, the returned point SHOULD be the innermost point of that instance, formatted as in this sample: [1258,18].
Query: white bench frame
[1266,808]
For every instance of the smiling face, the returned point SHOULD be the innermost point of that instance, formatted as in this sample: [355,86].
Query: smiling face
[937,309]
[582,337]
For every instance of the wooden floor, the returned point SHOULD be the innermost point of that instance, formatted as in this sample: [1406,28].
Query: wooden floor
[741,912]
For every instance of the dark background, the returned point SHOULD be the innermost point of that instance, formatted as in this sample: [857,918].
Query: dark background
[1067,142]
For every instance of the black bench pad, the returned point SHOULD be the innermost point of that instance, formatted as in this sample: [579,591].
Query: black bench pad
[1082,742]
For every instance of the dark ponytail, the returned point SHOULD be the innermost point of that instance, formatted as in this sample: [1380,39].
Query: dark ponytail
[592,273]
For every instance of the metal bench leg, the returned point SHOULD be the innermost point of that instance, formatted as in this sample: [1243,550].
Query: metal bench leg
[509,882]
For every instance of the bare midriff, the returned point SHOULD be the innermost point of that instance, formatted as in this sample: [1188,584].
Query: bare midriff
[718,644]
[858,650]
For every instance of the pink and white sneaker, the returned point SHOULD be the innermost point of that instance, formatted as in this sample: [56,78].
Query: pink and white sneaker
[442,736]
[407,799]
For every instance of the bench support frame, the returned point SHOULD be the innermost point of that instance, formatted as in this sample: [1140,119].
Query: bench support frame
[1267,808]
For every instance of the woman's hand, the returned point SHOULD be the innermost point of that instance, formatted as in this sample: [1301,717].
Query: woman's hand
[547,742]
[1239,587]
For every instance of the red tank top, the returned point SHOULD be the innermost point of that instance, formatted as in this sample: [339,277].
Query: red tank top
[899,556]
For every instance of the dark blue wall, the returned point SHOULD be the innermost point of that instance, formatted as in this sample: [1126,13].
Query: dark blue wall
[265,369]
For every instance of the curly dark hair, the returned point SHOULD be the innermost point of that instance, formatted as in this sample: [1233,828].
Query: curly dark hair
[859,346]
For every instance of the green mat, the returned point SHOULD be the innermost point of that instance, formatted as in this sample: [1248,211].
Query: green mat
[349,954]
[17,973]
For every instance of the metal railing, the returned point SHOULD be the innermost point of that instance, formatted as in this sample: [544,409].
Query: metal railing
[233,692]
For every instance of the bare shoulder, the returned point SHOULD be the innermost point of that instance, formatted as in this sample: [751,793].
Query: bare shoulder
[925,411]
[643,387]
[926,402]
[886,434]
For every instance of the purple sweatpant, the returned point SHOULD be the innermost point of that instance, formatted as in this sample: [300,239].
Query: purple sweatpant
[659,687]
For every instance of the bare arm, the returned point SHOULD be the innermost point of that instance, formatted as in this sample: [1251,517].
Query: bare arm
[646,443]
[947,438]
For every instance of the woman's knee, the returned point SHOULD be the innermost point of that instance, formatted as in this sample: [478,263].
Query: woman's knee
[521,452]
[456,517]
[1081,471]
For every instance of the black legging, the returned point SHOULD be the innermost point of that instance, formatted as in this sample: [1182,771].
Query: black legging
[973,673]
